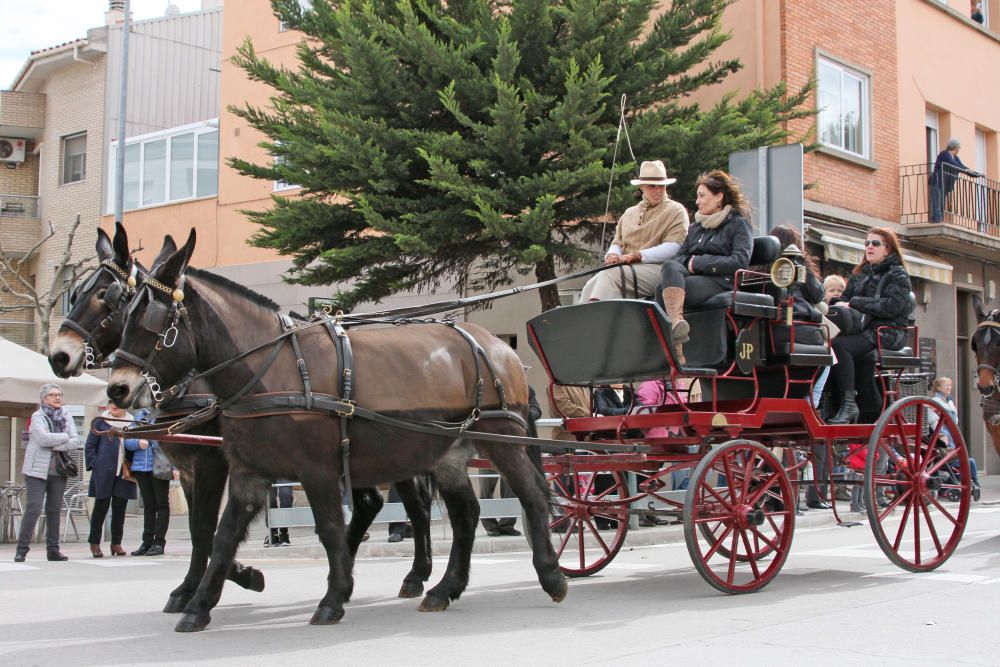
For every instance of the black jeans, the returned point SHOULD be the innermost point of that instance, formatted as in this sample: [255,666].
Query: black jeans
[697,289]
[848,349]
[101,505]
[50,493]
[156,507]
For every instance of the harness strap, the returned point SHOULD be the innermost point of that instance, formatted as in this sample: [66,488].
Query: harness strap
[278,346]
[288,325]
[477,352]
[345,371]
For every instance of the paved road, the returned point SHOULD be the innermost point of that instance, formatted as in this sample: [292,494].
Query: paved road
[838,601]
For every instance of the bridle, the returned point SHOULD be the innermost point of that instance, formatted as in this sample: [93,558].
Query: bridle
[990,324]
[160,319]
[116,295]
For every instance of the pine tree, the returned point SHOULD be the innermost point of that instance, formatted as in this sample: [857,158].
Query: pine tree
[455,142]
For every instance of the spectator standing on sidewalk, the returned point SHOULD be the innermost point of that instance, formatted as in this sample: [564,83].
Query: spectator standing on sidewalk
[111,485]
[52,430]
[152,472]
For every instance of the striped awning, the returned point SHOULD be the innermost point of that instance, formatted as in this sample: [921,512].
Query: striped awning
[851,250]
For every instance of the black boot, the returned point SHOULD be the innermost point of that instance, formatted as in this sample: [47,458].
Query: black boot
[848,413]
[20,554]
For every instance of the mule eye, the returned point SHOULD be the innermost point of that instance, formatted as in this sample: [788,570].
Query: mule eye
[100,294]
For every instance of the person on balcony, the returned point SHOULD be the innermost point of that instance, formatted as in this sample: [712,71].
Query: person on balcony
[977,14]
[647,234]
[947,167]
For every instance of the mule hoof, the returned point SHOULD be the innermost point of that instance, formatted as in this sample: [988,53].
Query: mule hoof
[431,603]
[411,589]
[559,593]
[176,604]
[193,623]
[326,616]
[250,578]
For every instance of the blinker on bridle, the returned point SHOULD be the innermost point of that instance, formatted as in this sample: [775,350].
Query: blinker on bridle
[115,295]
[161,319]
[989,325]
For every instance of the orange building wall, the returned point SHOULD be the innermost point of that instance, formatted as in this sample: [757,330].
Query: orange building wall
[147,227]
[247,18]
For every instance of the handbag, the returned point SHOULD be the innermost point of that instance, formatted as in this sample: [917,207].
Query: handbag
[848,320]
[65,466]
[162,467]
[127,471]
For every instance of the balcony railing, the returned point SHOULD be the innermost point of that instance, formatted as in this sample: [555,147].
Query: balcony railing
[949,196]
[20,332]
[18,206]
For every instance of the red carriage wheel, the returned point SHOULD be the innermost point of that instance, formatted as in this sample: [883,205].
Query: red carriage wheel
[917,489]
[589,519]
[739,510]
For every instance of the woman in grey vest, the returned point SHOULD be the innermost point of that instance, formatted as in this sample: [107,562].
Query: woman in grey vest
[52,430]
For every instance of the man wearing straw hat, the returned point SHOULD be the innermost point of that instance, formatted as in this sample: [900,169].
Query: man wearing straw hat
[647,234]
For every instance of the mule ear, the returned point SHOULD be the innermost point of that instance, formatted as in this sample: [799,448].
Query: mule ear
[104,249]
[173,266]
[977,305]
[121,245]
[168,249]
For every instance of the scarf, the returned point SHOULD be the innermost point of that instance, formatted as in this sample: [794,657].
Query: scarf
[56,417]
[121,443]
[714,220]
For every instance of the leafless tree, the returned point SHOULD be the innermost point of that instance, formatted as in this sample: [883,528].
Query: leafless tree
[32,296]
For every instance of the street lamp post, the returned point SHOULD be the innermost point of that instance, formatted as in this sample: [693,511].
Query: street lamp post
[122,107]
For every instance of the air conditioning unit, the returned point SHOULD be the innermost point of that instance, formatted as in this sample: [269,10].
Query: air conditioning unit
[12,149]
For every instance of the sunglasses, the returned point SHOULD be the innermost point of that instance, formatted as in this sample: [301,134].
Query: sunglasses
[875,243]
[57,394]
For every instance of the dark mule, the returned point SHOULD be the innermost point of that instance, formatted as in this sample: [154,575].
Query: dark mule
[94,327]
[418,372]
[986,345]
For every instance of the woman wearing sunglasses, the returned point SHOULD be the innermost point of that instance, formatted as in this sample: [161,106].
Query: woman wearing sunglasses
[879,288]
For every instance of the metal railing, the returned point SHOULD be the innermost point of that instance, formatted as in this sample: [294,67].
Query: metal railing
[949,196]
[18,206]
[18,331]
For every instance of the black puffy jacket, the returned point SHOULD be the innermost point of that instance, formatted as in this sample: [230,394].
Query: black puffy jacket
[893,307]
[718,252]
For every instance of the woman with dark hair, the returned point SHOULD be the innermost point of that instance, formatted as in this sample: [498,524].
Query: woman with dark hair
[718,244]
[808,294]
[879,288]
[111,485]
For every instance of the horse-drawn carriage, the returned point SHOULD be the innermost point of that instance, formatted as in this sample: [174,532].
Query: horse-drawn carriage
[744,439]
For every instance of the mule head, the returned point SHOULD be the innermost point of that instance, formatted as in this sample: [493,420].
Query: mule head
[986,345]
[157,345]
[92,328]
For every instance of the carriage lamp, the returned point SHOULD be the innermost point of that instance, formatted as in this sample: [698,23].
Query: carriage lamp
[783,272]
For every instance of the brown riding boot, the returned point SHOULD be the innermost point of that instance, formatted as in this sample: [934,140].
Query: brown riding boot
[673,300]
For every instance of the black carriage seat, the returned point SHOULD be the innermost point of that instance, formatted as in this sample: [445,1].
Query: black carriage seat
[604,342]
[766,249]
[902,358]
[804,355]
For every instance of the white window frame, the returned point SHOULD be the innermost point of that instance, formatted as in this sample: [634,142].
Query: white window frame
[932,135]
[197,129]
[859,75]
[304,5]
[83,156]
[282,186]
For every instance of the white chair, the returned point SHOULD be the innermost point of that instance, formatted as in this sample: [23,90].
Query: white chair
[74,502]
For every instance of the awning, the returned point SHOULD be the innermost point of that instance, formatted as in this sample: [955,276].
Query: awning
[850,250]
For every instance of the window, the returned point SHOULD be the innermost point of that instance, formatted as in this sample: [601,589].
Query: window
[74,158]
[844,115]
[931,135]
[304,5]
[282,185]
[163,167]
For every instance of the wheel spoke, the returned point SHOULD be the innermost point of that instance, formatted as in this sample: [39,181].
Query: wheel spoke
[916,530]
[894,504]
[762,536]
[902,526]
[901,427]
[750,554]
[600,540]
[940,463]
[764,488]
[944,510]
[930,527]
[712,490]
[567,536]
[718,543]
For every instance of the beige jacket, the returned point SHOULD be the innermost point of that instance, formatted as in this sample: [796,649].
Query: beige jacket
[646,228]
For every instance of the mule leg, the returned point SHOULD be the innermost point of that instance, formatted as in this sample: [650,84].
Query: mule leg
[323,491]
[523,472]
[367,504]
[416,498]
[203,474]
[247,495]
[463,512]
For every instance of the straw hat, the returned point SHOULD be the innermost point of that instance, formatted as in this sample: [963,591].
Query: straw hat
[653,173]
